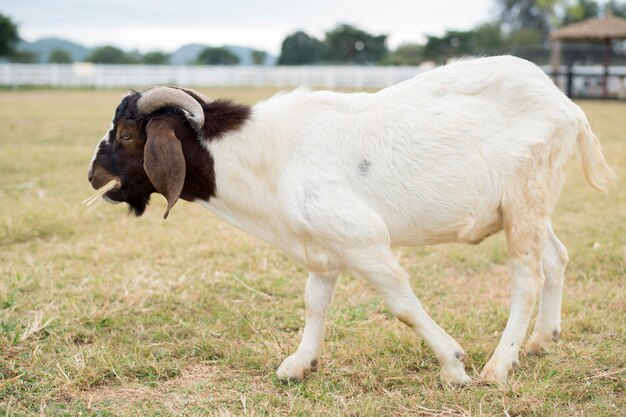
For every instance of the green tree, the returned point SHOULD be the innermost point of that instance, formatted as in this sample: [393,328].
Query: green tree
[156,58]
[59,56]
[525,37]
[107,55]
[24,57]
[133,57]
[8,36]
[581,10]
[217,56]
[484,39]
[258,57]
[617,7]
[300,48]
[405,54]
[452,43]
[539,15]
[348,44]
[487,36]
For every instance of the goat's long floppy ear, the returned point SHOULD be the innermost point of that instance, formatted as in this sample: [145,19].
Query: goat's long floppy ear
[164,162]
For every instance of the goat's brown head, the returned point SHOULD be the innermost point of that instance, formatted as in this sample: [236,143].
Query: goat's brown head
[153,139]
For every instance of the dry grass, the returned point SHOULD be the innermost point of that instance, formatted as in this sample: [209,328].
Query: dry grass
[105,314]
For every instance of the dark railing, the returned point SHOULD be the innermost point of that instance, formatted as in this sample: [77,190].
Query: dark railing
[578,83]
[580,73]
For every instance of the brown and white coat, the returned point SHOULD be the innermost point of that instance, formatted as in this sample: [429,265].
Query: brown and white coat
[453,155]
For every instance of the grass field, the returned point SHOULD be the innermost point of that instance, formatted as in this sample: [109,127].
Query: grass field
[105,314]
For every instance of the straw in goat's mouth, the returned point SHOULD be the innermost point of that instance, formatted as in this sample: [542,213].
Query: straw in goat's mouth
[100,192]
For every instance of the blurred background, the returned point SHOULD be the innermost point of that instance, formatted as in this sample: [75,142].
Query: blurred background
[105,314]
[275,43]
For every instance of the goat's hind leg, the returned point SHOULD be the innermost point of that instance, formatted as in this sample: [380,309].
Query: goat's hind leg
[525,234]
[548,325]
[378,266]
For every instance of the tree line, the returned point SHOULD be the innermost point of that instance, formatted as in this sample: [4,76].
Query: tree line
[108,54]
[518,23]
[208,56]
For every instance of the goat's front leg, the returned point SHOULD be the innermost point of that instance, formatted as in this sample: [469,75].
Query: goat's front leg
[378,266]
[318,294]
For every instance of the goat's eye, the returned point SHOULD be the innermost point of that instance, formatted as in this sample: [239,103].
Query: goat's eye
[126,137]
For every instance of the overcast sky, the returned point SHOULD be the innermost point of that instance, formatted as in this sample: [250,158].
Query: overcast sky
[151,24]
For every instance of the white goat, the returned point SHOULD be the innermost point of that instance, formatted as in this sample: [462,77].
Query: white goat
[453,155]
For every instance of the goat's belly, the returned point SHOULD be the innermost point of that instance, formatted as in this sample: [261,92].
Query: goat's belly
[450,196]
[470,229]
[439,224]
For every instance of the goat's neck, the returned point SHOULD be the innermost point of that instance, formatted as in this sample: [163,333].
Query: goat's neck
[247,165]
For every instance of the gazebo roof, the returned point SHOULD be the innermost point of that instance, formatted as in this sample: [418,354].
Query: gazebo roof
[609,27]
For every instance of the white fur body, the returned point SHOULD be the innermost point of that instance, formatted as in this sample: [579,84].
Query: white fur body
[423,162]
[452,155]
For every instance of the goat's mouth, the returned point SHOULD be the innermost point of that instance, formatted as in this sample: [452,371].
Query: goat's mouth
[113,193]
[115,189]
[110,200]
[112,185]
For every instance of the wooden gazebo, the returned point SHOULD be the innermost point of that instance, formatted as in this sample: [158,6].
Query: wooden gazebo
[603,30]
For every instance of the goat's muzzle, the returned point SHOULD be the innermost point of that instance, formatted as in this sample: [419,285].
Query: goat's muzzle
[103,182]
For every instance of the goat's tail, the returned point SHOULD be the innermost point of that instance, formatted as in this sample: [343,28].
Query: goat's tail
[597,171]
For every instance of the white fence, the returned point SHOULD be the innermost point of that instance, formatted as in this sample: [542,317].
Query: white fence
[139,76]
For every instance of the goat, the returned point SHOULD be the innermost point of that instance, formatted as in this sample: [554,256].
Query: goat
[455,154]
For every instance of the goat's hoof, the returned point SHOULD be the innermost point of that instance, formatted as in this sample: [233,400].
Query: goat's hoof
[497,373]
[535,347]
[454,376]
[294,369]
[538,344]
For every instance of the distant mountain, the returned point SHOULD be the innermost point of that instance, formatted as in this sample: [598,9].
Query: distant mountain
[245,55]
[187,54]
[42,48]
[182,56]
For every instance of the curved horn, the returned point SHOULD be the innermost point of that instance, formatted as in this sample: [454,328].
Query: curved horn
[158,98]
[193,93]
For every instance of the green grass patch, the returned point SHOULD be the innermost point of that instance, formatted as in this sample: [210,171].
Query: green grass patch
[104,314]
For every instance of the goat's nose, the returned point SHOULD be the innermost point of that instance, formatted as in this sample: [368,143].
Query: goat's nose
[90,175]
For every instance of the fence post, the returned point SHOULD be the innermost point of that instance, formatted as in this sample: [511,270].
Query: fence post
[6,74]
[570,80]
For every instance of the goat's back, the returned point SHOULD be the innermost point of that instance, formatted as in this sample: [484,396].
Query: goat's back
[437,155]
